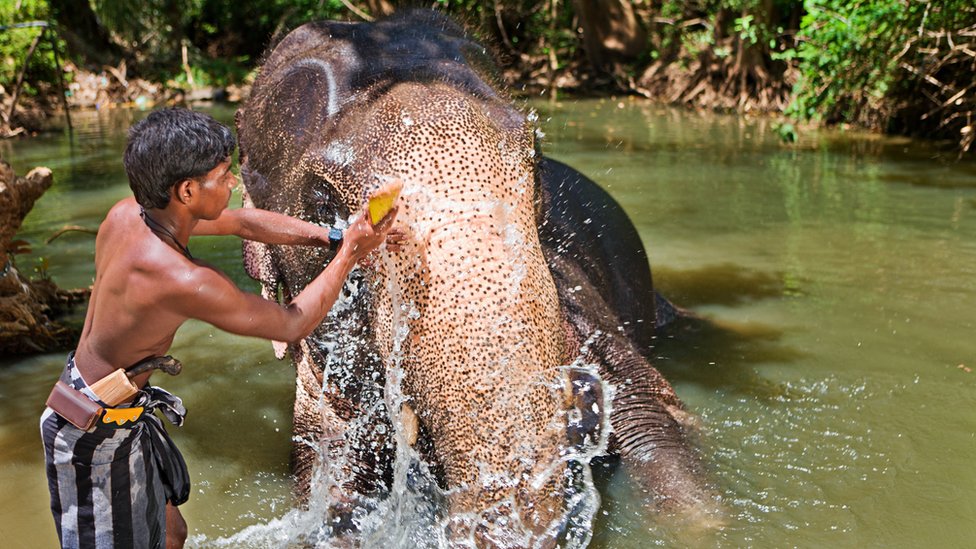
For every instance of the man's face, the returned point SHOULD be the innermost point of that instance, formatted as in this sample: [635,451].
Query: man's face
[215,189]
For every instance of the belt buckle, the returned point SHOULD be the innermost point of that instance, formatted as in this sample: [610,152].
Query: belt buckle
[121,416]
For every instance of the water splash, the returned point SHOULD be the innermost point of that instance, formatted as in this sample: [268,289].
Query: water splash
[414,513]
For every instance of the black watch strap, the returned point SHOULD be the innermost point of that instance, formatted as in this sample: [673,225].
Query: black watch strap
[335,238]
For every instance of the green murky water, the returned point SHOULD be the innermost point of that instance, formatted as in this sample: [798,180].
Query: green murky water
[834,390]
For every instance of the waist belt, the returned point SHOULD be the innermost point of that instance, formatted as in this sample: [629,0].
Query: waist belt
[84,413]
[73,400]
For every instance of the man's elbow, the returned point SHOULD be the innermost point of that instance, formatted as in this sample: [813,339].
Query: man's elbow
[297,330]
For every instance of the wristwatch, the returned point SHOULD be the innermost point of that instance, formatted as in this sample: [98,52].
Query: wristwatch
[335,238]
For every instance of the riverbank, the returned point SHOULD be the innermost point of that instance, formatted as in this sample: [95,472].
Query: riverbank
[109,89]
[698,86]
[112,89]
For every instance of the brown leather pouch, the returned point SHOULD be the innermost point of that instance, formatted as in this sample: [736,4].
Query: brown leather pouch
[74,406]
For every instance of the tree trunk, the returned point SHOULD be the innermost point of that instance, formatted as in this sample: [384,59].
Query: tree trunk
[611,32]
[20,76]
[749,78]
[174,40]
[84,34]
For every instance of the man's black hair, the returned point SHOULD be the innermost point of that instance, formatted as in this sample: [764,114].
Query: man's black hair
[171,145]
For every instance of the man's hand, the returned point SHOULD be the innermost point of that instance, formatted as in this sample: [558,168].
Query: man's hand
[362,237]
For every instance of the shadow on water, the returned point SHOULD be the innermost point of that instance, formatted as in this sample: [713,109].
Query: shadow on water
[719,284]
[945,177]
[721,354]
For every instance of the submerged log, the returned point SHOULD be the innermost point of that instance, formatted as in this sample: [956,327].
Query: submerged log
[30,309]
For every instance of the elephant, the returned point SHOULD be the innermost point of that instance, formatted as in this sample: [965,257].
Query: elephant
[512,330]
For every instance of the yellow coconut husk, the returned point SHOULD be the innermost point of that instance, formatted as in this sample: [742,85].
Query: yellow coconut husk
[381,201]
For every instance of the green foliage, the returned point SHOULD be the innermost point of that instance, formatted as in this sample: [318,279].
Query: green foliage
[244,29]
[702,26]
[847,54]
[520,27]
[224,38]
[786,132]
[42,268]
[885,64]
[14,44]
[747,28]
[696,42]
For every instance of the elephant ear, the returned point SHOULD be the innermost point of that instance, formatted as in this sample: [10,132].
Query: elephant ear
[260,265]
[293,105]
[305,101]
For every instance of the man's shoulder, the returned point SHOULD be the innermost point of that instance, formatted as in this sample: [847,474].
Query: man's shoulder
[134,250]
[121,217]
[163,280]
[125,209]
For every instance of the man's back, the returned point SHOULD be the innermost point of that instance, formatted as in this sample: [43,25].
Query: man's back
[136,273]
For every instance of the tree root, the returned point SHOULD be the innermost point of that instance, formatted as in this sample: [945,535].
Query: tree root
[29,309]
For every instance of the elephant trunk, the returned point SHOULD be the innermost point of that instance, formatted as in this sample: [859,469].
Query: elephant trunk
[650,426]
[481,360]
[650,436]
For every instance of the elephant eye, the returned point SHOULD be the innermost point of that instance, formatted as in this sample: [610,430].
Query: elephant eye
[321,212]
[323,202]
[320,196]
[322,209]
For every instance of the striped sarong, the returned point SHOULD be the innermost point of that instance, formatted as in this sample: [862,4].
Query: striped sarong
[109,486]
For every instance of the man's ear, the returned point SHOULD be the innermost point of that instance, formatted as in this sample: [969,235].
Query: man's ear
[185,190]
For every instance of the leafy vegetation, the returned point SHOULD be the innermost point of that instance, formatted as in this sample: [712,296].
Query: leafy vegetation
[902,66]
[15,42]
[892,65]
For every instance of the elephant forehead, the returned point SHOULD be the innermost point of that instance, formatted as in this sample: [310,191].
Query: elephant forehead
[456,163]
[412,126]
[492,138]
[468,203]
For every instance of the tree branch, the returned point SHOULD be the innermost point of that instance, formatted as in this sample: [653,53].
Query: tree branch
[365,16]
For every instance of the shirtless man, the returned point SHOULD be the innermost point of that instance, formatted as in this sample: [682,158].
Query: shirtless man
[118,485]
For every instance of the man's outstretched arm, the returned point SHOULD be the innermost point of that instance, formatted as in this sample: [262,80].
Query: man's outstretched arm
[264,226]
[212,297]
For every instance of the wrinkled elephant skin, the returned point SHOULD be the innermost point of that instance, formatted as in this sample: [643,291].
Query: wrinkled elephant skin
[499,287]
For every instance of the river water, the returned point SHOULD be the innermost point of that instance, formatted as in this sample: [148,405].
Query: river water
[834,378]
